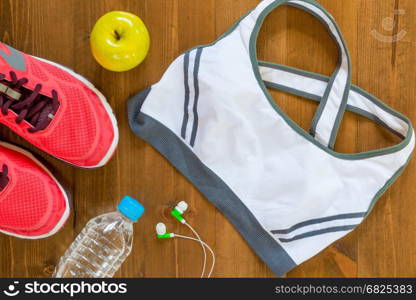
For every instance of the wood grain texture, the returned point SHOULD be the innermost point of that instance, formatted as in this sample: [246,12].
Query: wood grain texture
[384,245]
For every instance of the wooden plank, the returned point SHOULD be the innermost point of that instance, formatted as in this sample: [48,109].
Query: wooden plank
[386,239]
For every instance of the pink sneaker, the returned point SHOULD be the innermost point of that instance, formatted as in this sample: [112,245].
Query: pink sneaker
[33,204]
[55,109]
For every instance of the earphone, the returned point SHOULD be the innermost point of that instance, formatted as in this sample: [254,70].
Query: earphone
[161,232]
[177,213]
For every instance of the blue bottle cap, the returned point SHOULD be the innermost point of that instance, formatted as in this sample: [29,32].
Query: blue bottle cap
[131,208]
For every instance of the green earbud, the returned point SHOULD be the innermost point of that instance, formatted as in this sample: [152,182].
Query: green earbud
[178,211]
[177,215]
[161,232]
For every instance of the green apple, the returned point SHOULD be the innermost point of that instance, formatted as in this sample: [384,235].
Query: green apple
[119,41]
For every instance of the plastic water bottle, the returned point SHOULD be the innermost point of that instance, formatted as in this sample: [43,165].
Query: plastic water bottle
[103,245]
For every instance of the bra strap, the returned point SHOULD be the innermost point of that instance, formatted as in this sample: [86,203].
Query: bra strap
[327,119]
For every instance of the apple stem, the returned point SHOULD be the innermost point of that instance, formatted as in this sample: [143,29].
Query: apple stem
[118,36]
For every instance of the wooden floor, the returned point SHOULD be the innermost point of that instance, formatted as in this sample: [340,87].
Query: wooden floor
[384,245]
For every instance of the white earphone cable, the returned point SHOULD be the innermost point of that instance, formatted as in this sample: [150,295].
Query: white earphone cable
[206,245]
[202,246]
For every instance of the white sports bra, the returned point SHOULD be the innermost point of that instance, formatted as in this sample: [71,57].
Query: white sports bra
[287,191]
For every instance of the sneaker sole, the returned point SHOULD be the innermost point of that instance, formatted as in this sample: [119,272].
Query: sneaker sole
[64,217]
[106,105]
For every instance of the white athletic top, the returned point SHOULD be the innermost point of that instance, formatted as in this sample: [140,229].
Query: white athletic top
[287,191]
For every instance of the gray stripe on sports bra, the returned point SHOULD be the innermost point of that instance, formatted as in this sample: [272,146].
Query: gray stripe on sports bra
[196,86]
[186,102]
[195,118]
[319,232]
[320,220]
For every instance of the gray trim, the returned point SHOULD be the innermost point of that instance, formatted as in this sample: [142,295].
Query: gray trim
[134,105]
[320,220]
[301,131]
[343,104]
[196,87]
[293,91]
[375,119]
[186,101]
[319,111]
[338,120]
[319,232]
[349,107]
[318,114]
[210,185]
[324,78]
[388,184]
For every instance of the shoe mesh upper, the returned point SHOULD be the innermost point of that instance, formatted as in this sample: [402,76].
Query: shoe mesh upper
[58,74]
[74,139]
[38,72]
[33,203]
[23,207]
